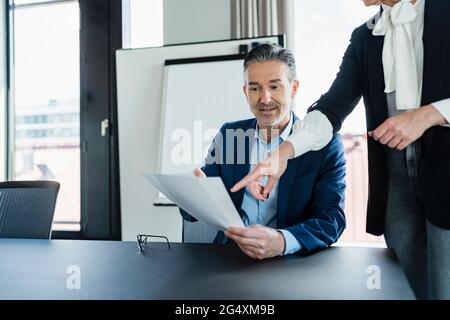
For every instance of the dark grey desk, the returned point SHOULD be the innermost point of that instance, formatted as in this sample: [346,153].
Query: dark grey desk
[37,269]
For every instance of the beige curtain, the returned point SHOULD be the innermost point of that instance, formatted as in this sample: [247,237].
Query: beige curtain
[257,18]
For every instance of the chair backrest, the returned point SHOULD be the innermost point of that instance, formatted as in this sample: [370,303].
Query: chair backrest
[198,232]
[27,208]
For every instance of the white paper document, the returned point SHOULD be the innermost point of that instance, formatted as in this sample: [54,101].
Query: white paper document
[206,199]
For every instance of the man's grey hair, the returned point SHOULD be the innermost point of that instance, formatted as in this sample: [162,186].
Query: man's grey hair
[272,52]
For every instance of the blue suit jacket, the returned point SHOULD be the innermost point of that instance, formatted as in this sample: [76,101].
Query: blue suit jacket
[310,193]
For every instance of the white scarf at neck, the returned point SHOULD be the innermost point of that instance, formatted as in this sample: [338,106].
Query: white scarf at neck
[402,52]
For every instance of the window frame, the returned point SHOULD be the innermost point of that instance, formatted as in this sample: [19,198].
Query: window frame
[100,22]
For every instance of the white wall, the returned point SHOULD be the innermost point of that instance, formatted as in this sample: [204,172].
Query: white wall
[188,21]
[2,92]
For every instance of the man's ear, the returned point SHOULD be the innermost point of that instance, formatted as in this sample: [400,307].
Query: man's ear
[295,86]
[244,88]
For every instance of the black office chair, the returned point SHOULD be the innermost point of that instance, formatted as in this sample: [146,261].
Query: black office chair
[27,208]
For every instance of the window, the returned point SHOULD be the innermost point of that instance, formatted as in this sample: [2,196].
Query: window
[45,104]
[323,30]
[143,23]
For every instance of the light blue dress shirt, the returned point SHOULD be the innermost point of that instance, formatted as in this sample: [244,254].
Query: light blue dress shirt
[265,212]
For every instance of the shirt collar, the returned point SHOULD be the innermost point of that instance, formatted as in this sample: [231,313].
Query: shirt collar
[284,135]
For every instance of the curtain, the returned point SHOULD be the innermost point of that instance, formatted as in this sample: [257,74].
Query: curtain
[258,18]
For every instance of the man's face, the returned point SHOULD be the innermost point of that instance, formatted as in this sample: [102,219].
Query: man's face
[269,93]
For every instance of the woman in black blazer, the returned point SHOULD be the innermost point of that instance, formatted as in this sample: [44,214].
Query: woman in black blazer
[408,146]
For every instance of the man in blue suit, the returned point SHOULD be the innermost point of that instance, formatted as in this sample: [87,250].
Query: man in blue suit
[305,210]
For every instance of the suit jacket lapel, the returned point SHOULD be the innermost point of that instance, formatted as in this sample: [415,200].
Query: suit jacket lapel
[284,190]
[285,187]
[242,169]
